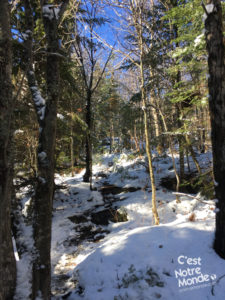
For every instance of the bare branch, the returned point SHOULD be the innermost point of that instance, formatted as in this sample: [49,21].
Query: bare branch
[103,71]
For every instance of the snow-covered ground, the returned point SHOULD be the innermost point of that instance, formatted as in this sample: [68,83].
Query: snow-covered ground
[132,259]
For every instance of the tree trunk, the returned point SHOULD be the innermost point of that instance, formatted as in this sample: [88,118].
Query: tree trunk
[137,144]
[172,155]
[7,259]
[137,17]
[88,174]
[46,115]
[46,165]
[181,145]
[155,116]
[147,139]
[188,161]
[111,135]
[71,140]
[216,84]
[192,152]
[179,106]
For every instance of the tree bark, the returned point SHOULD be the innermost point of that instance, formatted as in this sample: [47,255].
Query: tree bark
[181,145]
[172,155]
[138,26]
[45,184]
[71,139]
[46,115]
[179,106]
[7,259]
[216,84]
[88,174]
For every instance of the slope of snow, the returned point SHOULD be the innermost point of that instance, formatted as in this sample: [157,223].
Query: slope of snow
[136,260]
[107,272]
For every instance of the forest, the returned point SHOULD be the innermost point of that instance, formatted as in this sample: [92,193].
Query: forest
[112,149]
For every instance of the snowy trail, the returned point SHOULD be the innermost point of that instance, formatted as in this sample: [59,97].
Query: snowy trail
[137,260]
[132,259]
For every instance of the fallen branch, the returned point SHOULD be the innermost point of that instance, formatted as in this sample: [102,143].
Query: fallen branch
[190,196]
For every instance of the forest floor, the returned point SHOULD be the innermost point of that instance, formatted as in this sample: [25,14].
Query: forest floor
[106,247]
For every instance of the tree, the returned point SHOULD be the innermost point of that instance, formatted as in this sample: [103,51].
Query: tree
[138,11]
[87,48]
[186,73]
[107,126]
[216,84]
[7,259]
[46,110]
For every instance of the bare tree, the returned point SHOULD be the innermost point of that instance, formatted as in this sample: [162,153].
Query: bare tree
[135,53]
[87,49]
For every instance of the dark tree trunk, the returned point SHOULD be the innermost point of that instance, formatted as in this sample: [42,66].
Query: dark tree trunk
[45,183]
[180,141]
[7,259]
[179,107]
[216,83]
[46,114]
[88,174]
[181,156]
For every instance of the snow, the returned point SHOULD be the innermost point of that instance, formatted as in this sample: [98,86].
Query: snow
[198,40]
[209,8]
[60,116]
[42,155]
[204,17]
[178,52]
[38,100]
[102,273]
[15,249]
[18,131]
[41,179]
[136,260]
[23,264]
[50,11]
[26,34]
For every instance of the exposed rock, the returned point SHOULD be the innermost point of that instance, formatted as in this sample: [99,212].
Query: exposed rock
[110,214]
[114,190]
[102,175]
[153,279]
[86,233]
[189,185]
[77,219]
[63,284]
